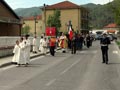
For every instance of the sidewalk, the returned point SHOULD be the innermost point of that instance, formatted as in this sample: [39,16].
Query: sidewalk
[5,61]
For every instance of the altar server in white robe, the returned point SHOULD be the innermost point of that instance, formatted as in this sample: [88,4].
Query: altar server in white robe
[27,49]
[16,52]
[35,44]
[45,44]
[41,49]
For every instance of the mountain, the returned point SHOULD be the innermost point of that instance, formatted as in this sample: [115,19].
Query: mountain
[26,12]
[99,15]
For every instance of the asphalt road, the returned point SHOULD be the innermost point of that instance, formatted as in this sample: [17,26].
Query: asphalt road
[65,71]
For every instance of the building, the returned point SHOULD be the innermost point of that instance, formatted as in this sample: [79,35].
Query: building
[69,12]
[10,24]
[35,24]
[111,28]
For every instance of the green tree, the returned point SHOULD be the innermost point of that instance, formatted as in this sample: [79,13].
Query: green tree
[25,30]
[54,20]
[116,10]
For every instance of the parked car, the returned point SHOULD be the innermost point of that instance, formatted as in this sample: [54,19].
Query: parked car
[112,37]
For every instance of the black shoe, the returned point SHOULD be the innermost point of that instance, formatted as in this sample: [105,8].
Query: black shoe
[106,62]
[103,62]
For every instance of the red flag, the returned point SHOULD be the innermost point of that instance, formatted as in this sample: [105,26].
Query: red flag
[70,33]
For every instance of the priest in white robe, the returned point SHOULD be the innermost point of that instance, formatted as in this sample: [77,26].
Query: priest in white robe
[21,59]
[27,49]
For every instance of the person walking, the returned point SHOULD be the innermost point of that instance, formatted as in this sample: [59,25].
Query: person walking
[45,43]
[41,49]
[16,52]
[88,41]
[73,45]
[104,42]
[52,42]
[21,56]
[27,48]
[35,44]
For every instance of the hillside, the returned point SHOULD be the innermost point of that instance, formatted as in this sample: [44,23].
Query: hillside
[26,12]
[100,15]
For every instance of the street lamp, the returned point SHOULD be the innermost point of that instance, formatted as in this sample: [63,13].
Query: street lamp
[44,15]
[35,18]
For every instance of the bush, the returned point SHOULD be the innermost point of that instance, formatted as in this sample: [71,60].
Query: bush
[118,43]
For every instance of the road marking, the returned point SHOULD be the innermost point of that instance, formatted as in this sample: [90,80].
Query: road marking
[69,67]
[115,52]
[51,82]
[95,51]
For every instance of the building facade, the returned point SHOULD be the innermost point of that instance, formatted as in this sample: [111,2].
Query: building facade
[10,24]
[35,24]
[69,12]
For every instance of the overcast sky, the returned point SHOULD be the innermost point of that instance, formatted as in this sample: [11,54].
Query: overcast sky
[32,3]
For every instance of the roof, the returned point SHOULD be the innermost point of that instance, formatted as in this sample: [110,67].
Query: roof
[63,5]
[112,25]
[10,9]
[39,17]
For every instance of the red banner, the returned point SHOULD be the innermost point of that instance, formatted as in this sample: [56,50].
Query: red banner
[50,31]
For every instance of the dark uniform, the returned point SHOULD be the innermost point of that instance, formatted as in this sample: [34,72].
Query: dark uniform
[73,45]
[88,41]
[104,41]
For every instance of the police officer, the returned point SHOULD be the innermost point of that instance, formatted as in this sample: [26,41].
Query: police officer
[104,42]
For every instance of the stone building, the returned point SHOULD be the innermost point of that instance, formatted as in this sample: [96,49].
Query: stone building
[69,12]
[10,24]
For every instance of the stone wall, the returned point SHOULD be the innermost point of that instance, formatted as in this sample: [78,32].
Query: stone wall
[7,45]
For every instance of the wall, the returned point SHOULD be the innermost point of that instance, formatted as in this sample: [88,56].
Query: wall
[7,45]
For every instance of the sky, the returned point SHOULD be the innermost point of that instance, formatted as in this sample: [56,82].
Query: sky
[14,4]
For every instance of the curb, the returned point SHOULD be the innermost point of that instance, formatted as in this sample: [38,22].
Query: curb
[10,63]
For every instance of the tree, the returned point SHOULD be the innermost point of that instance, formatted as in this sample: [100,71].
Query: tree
[116,10]
[25,30]
[54,20]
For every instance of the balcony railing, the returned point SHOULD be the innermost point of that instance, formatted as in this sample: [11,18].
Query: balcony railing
[9,20]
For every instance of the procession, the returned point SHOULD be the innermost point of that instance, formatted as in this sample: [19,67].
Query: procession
[65,42]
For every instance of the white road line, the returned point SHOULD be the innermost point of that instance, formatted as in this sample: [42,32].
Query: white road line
[115,52]
[88,52]
[69,68]
[51,82]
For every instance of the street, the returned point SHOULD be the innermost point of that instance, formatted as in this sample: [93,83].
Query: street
[81,71]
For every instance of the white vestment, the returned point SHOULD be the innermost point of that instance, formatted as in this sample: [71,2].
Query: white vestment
[34,45]
[27,50]
[41,46]
[16,52]
[44,47]
[22,59]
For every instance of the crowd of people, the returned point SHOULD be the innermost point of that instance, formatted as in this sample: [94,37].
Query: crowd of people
[22,48]
[22,51]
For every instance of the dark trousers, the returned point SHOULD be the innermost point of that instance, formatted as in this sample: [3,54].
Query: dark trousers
[73,49]
[52,50]
[104,53]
